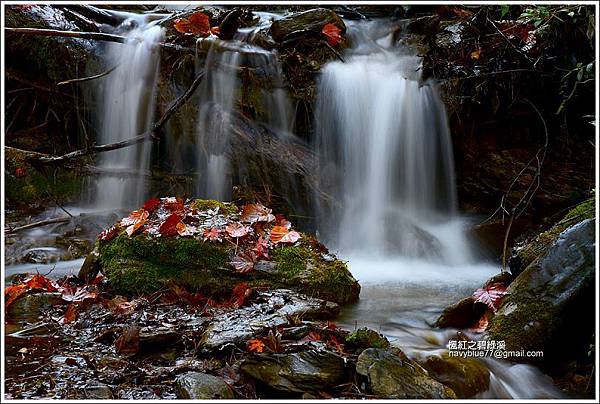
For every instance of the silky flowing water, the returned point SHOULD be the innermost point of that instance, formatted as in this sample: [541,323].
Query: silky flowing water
[385,158]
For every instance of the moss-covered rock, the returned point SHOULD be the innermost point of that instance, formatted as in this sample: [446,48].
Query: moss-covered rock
[550,305]
[525,253]
[364,338]
[145,263]
[310,20]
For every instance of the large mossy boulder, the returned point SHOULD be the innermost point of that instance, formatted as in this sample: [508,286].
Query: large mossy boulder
[549,307]
[216,247]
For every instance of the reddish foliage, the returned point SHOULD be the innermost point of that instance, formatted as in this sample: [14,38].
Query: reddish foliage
[174,205]
[109,234]
[237,230]
[241,292]
[256,212]
[12,293]
[20,172]
[78,294]
[314,336]
[169,226]
[336,344]
[256,345]
[243,262]
[129,341]
[491,295]
[151,205]
[212,234]
[197,24]
[280,220]
[281,234]
[38,281]
[332,33]
[261,248]
[70,314]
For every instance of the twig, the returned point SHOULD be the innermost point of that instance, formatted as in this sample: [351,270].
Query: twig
[96,76]
[146,136]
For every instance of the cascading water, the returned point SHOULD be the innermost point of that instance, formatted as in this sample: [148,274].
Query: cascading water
[385,142]
[385,160]
[220,93]
[128,101]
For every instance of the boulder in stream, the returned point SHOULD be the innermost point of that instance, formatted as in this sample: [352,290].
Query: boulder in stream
[550,305]
[210,247]
[312,370]
[390,374]
[465,376]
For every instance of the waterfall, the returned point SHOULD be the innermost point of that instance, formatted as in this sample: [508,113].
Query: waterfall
[221,92]
[386,156]
[127,101]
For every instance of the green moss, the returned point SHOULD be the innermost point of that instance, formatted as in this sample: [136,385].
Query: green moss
[584,210]
[364,338]
[291,261]
[225,208]
[143,264]
[525,327]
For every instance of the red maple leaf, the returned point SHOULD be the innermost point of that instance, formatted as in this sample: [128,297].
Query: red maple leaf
[241,292]
[261,248]
[490,295]
[256,212]
[332,33]
[151,205]
[109,234]
[237,230]
[212,234]
[197,24]
[169,227]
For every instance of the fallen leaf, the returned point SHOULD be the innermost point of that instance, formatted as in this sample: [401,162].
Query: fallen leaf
[261,248]
[109,234]
[241,292]
[70,314]
[197,24]
[38,281]
[134,217]
[174,205]
[181,229]
[13,292]
[280,220]
[212,234]
[169,227]
[78,295]
[491,295]
[476,54]
[20,172]
[332,33]
[314,336]
[256,212]
[256,345]
[129,341]
[237,230]
[243,262]
[281,234]
[151,205]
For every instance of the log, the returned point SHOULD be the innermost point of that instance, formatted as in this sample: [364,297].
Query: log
[37,224]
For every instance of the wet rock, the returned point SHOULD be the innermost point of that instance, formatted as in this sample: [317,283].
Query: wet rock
[271,309]
[550,306]
[145,263]
[312,20]
[155,338]
[98,391]
[364,338]
[465,376]
[462,314]
[390,374]
[29,307]
[202,386]
[42,255]
[90,267]
[307,371]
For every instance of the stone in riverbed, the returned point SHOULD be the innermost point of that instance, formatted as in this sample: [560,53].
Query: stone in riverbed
[310,20]
[98,391]
[390,374]
[145,263]
[307,371]
[550,305]
[271,309]
[465,376]
[202,386]
[462,314]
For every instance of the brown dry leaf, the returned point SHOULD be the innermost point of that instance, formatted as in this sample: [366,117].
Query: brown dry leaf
[237,230]
[129,341]
[256,345]
[256,212]
[243,262]
[70,314]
